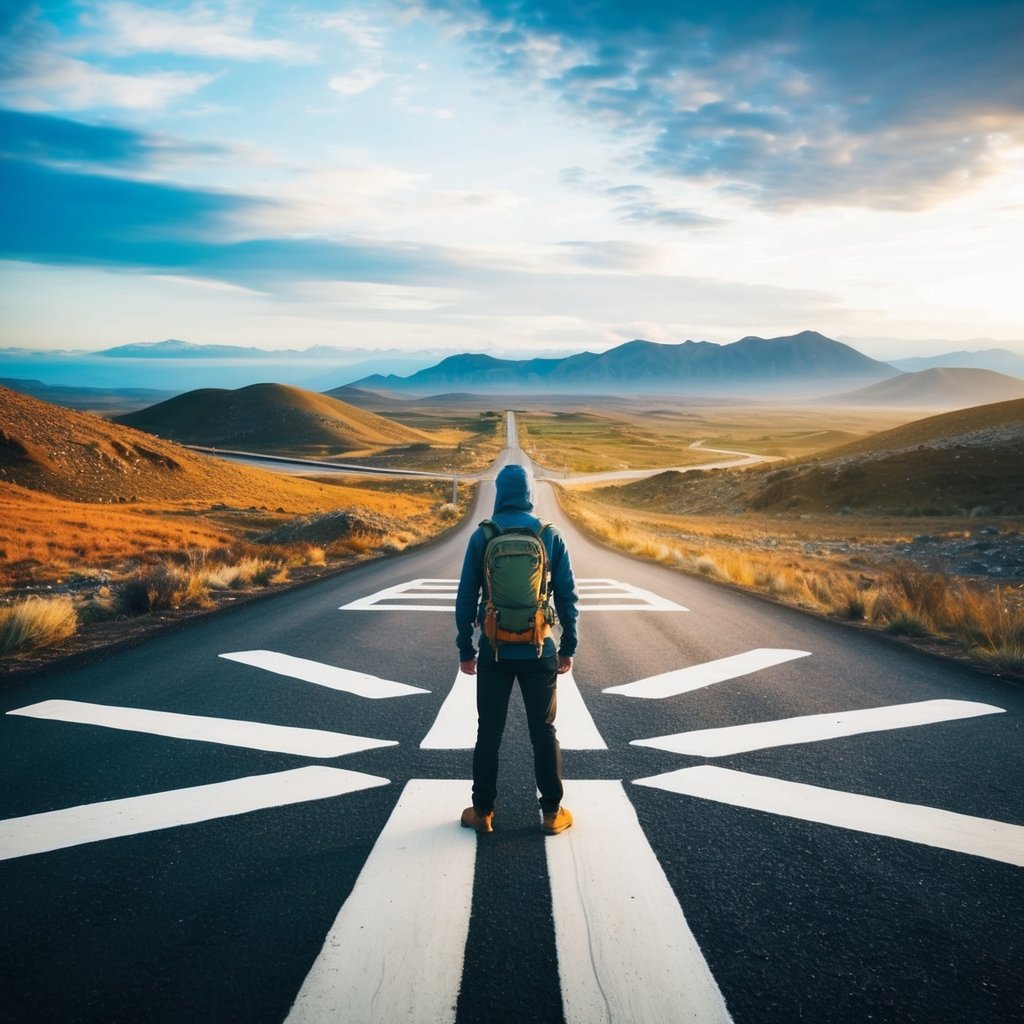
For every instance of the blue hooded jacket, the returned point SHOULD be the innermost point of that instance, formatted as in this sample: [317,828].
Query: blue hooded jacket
[513,506]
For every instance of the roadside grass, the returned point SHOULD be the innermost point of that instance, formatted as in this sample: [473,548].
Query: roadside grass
[900,599]
[35,622]
[103,564]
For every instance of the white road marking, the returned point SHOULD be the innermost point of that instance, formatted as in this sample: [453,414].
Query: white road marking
[596,595]
[914,823]
[113,819]
[347,680]
[396,949]
[738,739]
[683,680]
[255,735]
[455,725]
[625,950]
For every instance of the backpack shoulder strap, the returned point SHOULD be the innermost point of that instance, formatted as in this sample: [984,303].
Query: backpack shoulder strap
[491,529]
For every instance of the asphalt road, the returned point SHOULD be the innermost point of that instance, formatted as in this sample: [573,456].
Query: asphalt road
[861,862]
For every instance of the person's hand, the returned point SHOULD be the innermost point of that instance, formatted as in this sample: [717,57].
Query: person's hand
[564,664]
[469,667]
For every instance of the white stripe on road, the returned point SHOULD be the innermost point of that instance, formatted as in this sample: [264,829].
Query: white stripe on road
[738,739]
[280,739]
[396,949]
[594,595]
[113,819]
[625,950]
[914,823]
[683,680]
[575,727]
[455,725]
[359,683]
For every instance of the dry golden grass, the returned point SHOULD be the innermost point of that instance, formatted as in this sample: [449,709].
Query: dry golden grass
[36,622]
[988,623]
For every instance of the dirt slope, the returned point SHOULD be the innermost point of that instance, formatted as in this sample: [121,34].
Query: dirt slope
[80,457]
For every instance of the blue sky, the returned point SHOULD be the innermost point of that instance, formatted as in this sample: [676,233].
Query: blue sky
[514,177]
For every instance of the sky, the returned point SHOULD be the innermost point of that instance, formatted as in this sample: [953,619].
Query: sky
[511,176]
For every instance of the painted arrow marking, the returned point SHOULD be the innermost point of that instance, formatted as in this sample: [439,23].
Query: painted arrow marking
[396,949]
[456,722]
[346,680]
[113,819]
[782,732]
[625,950]
[683,680]
[929,826]
[231,732]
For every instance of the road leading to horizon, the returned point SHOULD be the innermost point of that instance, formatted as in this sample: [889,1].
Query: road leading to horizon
[255,818]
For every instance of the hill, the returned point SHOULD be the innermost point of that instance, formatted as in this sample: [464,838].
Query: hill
[107,401]
[948,464]
[270,418]
[805,359]
[82,458]
[1002,360]
[940,388]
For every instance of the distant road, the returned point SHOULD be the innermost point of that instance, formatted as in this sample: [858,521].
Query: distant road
[303,467]
[254,819]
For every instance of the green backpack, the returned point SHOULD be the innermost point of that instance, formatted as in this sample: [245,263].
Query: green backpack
[517,583]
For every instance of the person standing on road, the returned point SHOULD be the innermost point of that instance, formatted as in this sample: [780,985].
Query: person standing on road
[536,665]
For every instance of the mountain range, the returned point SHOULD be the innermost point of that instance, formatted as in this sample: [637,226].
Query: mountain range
[807,360]
[939,388]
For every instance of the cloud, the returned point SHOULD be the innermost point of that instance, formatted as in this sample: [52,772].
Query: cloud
[69,218]
[195,30]
[356,82]
[784,103]
[48,139]
[39,75]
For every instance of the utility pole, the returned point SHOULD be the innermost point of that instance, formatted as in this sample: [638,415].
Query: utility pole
[455,488]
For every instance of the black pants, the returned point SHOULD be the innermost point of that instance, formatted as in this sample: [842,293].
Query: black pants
[538,681]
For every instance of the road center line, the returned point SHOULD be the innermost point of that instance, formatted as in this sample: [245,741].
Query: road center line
[396,949]
[914,823]
[625,950]
[738,739]
[455,725]
[683,680]
[281,739]
[359,683]
[113,819]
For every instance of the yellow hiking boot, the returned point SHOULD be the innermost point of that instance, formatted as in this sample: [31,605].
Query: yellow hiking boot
[472,818]
[556,821]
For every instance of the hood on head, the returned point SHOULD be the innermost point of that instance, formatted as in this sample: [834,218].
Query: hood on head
[513,490]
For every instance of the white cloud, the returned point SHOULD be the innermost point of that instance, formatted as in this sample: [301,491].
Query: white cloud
[197,30]
[360,80]
[357,27]
[54,82]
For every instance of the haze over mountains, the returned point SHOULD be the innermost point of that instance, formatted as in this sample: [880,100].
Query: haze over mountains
[939,388]
[806,361]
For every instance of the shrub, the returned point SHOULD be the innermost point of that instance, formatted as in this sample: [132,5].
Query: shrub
[151,589]
[36,622]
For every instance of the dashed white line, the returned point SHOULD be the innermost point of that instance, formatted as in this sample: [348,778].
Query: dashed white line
[683,680]
[359,683]
[914,823]
[625,950]
[113,819]
[231,732]
[396,949]
[782,732]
